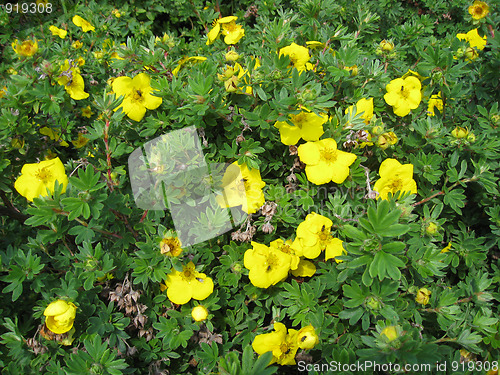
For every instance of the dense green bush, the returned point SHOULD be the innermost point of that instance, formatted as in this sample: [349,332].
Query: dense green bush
[365,133]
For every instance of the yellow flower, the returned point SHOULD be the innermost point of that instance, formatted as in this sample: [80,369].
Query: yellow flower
[3,91]
[57,31]
[185,61]
[81,141]
[55,136]
[87,112]
[324,163]
[182,286]
[479,10]
[85,25]
[387,139]
[27,48]
[199,313]
[395,177]
[447,248]
[353,69]
[315,44]
[37,177]
[305,268]
[226,26]
[363,107]
[283,345]
[435,101]
[474,40]
[334,249]
[431,229]
[242,187]
[267,266]
[307,337]
[60,316]
[403,95]
[171,246]
[232,55]
[286,247]
[306,125]
[137,94]
[116,13]
[299,56]
[77,44]
[390,332]
[72,81]
[423,295]
[313,236]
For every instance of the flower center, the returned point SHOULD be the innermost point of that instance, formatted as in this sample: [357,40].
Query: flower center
[286,249]
[170,246]
[324,235]
[230,27]
[271,261]
[44,175]
[329,154]
[404,92]
[396,185]
[188,274]
[137,95]
[285,348]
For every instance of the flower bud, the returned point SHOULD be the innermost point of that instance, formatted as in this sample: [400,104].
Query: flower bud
[390,333]
[377,130]
[231,84]
[459,132]
[199,313]
[471,137]
[232,56]
[423,295]
[17,142]
[373,303]
[386,46]
[307,337]
[470,53]
[431,229]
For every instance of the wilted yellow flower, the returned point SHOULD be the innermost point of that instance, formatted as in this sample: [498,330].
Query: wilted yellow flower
[363,107]
[72,81]
[53,135]
[395,177]
[27,48]
[138,95]
[306,125]
[387,139]
[85,25]
[199,313]
[435,101]
[36,178]
[60,316]
[182,286]
[299,56]
[324,163]
[479,10]
[226,26]
[423,295]
[80,141]
[171,246]
[403,95]
[447,248]
[242,187]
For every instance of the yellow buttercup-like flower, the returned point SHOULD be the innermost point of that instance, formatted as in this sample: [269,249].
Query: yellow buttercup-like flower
[27,48]
[363,107]
[395,177]
[435,101]
[242,187]
[138,95]
[171,246]
[267,265]
[313,236]
[182,286]
[283,345]
[387,139]
[87,112]
[76,44]
[37,177]
[306,125]
[423,296]
[474,40]
[85,25]
[57,31]
[324,163]
[403,95]
[299,56]
[307,337]
[229,28]
[479,10]
[60,316]
[390,333]
[72,81]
